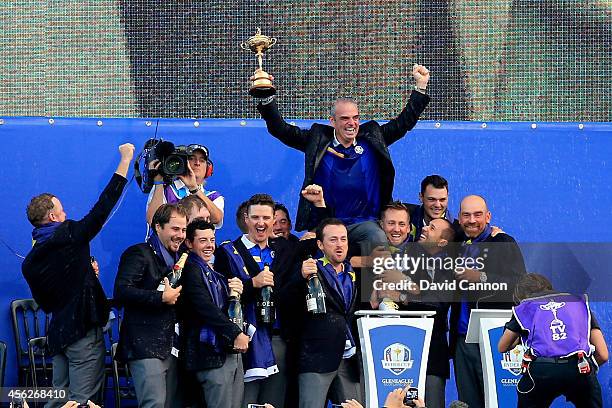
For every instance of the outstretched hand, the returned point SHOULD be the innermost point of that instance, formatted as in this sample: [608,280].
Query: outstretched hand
[421,75]
[395,399]
[170,295]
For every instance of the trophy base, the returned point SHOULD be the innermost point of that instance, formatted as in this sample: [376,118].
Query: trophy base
[262,91]
[262,86]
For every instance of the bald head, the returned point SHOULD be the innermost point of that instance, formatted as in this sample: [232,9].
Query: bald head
[474,200]
[474,215]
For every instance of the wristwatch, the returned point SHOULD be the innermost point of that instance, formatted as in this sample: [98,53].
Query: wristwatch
[483,277]
[421,90]
[194,191]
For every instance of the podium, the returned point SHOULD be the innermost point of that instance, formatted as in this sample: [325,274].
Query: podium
[395,348]
[501,371]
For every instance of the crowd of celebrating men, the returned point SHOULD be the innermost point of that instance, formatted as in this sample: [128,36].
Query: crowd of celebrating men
[177,339]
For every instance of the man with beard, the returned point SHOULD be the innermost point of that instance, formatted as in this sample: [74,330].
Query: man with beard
[494,259]
[433,244]
[327,360]
[147,335]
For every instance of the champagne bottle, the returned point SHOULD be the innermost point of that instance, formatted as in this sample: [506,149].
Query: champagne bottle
[315,297]
[388,304]
[175,275]
[265,302]
[234,310]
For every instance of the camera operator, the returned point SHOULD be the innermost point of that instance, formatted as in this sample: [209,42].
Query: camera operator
[200,167]
[564,345]
[61,277]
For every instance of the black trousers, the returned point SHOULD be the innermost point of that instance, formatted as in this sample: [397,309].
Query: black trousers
[468,373]
[553,379]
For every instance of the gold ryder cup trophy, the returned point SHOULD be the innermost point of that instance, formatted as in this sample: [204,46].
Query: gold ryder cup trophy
[261,87]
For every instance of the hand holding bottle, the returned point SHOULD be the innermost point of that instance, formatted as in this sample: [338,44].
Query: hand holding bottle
[241,343]
[265,301]
[235,285]
[170,295]
[263,278]
[315,295]
[309,267]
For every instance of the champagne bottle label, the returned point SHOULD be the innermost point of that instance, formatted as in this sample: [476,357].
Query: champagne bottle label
[265,302]
[235,310]
[311,303]
[315,298]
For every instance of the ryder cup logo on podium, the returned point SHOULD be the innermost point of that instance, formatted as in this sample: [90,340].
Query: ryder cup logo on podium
[512,360]
[397,358]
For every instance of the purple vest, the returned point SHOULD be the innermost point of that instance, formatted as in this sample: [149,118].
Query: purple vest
[171,197]
[558,325]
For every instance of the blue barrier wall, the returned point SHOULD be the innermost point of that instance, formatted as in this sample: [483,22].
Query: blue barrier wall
[544,184]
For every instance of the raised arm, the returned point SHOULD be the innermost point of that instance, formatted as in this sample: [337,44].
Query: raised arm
[89,226]
[216,213]
[289,135]
[396,128]
[156,196]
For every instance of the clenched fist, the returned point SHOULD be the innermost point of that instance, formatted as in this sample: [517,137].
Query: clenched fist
[421,75]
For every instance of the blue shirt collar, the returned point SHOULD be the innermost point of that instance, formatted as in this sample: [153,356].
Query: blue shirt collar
[247,242]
